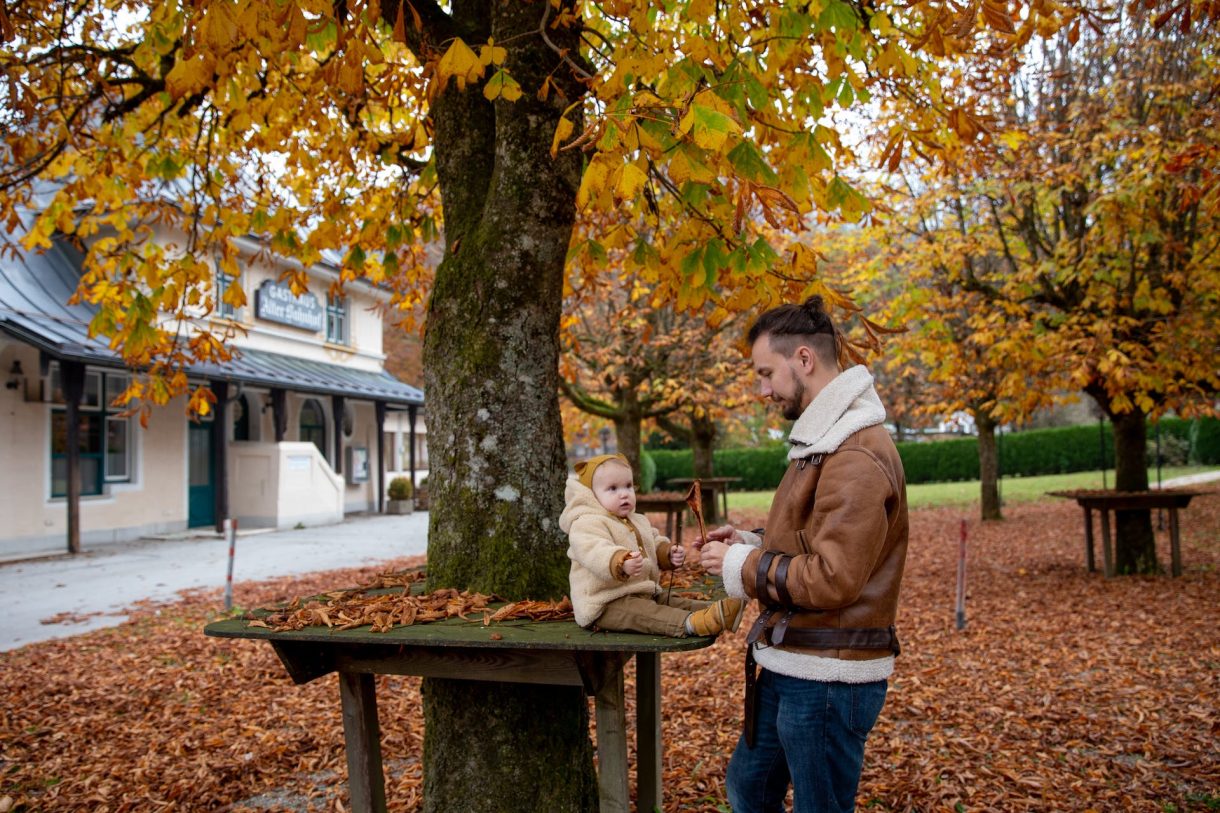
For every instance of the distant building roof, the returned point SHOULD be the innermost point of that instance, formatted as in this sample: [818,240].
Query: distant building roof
[34,291]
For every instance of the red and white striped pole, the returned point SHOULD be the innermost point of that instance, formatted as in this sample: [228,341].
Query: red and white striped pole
[961,579]
[230,527]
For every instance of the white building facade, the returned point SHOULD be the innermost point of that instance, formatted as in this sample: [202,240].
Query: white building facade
[308,425]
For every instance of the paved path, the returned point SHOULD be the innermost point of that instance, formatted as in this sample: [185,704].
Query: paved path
[102,583]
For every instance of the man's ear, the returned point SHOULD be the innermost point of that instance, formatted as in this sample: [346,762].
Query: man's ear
[806,358]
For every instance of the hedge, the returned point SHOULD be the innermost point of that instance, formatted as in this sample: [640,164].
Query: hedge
[1039,451]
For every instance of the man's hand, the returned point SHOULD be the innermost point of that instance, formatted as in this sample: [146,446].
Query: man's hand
[633,565]
[677,556]
[725,533]
[712,555]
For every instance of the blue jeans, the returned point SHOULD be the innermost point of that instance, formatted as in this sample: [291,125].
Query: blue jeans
[809,734]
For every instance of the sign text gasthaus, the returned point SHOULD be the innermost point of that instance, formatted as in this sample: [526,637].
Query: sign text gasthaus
[275,302]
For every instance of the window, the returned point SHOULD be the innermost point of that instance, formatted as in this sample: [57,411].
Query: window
[223,283]
[313,425]
[105,447]
[336,319]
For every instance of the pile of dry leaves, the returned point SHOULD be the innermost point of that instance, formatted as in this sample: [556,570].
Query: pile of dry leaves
[1064,692]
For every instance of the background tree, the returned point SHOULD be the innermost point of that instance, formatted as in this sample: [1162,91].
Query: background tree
[962,351]
[366,127]
[1108,234]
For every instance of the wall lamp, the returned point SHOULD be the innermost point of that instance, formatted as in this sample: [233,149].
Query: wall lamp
[16,376]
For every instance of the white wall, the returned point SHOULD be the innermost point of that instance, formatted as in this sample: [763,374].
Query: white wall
[155,501]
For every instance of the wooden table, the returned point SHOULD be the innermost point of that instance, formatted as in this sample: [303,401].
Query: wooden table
[672,504]
[712,486]
[1106,501]
[550,653]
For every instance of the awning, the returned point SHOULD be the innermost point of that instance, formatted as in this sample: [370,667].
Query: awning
[261,368]
[34,292]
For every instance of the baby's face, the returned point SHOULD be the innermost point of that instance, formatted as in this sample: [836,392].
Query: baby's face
[614,489]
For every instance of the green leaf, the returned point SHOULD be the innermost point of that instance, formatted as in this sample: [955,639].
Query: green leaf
[749,163]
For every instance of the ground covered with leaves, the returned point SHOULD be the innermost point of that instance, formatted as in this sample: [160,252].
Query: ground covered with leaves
[1065,692]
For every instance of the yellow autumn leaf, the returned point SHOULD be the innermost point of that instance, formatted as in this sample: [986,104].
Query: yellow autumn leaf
[461,63]
[562,130]
[631,180]
[190,76]
[492,54]
[594,181]
[501,85]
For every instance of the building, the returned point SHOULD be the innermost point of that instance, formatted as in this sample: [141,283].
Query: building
[308,425]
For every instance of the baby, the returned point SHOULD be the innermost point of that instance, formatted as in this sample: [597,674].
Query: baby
[617,557]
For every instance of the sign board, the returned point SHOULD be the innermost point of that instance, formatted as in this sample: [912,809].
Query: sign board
[275,302]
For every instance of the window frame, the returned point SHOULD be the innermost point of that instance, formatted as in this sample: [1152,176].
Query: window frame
[338,314]
[223,280]
[96,409]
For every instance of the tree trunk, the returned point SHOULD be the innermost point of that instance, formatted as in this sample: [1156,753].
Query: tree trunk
[491,377]
[627,429]
[703,438]
[1135,545]
[989,467]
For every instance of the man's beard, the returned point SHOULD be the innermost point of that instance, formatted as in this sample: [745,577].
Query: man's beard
[793,408]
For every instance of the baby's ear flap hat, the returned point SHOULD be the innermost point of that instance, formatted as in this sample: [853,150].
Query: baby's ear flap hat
[585,468]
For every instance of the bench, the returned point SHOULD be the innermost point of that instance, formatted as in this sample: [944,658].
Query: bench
[1106,502]
[550,653]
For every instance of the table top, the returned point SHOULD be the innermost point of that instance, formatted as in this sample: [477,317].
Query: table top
[1103,498]
[708,481]
[455,632]
[661,499]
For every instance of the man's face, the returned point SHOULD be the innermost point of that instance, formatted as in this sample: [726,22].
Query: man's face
[779,378]
[614,489]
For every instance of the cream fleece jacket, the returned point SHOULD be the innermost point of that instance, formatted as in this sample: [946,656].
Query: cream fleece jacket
[595,536]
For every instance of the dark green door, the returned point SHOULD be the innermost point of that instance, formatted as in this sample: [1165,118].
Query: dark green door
[202,482]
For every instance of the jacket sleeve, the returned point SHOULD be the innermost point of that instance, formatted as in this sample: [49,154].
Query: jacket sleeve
[840,542]
[663,547]
[591,545]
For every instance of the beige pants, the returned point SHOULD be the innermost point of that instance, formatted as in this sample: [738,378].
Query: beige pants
[651,615]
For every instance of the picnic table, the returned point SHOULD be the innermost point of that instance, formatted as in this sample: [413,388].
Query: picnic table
[550,653]
[671,503]
[1105,501]
[712,486]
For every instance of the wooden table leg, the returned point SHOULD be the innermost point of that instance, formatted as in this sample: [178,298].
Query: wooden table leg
[611,707]
[724,495]
[362,736]
[1175,544]
[1106,553]
[648,731]
[1088,539]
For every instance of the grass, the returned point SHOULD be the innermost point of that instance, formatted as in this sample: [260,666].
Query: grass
[1012,489]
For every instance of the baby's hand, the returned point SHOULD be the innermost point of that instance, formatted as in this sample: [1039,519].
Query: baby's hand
[633,565]
[677,555]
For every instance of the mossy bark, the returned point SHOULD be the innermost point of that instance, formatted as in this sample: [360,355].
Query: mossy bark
[494,433]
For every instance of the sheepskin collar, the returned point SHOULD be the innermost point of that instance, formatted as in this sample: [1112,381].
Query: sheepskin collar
[846,405]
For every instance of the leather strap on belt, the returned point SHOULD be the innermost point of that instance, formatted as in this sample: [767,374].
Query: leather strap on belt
[833,638]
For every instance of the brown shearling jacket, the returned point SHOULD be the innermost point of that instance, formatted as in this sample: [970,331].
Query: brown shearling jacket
[838,526]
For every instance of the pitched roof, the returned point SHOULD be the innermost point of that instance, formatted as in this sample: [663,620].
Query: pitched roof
[34,291]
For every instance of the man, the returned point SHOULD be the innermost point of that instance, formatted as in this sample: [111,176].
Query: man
[826,573]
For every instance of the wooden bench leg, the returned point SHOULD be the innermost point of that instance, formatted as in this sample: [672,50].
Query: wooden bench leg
[362,735]
[1088,540]
[1175,543]
[611,708]
[1106,552]
[648,730]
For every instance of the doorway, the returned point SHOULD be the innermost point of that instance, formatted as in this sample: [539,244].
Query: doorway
[201,479]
